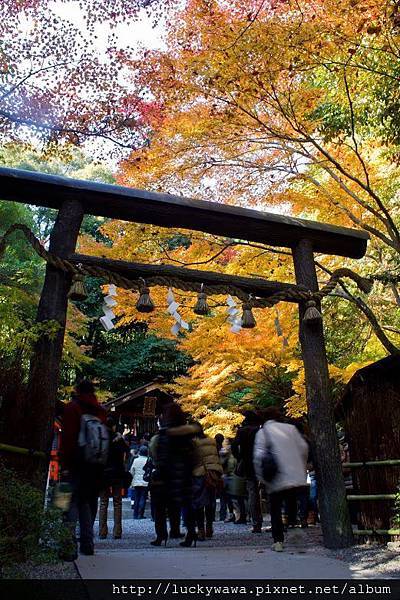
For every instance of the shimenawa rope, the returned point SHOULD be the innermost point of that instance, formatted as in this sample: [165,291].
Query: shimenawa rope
[79,270]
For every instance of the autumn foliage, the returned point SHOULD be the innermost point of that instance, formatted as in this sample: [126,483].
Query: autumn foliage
[286,106]
[281,105]
[64,87]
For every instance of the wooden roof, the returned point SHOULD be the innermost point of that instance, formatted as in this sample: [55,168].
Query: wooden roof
[386,369]
[389,364]
[176,211]
[138,394]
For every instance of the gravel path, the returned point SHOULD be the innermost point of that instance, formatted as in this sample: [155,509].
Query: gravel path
[371,560]
[53,571]
[367,560]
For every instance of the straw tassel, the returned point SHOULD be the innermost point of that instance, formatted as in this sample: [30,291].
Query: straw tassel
[312,314]
[144,303]
[201,307]
[365,285]
[248,320]
[77,292]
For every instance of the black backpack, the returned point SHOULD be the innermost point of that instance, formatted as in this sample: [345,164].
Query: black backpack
[269,465]
[148,470]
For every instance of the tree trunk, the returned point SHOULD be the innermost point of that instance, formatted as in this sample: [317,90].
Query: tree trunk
[335,520]
[45,363]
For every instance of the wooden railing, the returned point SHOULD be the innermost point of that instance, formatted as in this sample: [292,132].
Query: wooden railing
[363,497]
[24,451]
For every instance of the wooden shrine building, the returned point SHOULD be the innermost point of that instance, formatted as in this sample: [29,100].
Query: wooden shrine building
[140,408]
[370,412]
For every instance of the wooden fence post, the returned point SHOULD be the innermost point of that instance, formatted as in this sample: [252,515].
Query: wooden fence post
[335,520]
[45,363]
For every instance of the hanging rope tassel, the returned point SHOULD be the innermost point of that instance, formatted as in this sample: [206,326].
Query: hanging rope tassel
[77,292]
[312,314]
[144,303]
[248,320]
[201,307]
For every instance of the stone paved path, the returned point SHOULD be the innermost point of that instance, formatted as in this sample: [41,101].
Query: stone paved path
[233,553]
[227,563]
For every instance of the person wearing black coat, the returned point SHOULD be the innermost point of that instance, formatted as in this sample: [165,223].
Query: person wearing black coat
[171,482]
[242,450]
[114,481]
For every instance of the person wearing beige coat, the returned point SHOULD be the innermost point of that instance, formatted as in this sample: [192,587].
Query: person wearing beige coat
[206,457]
[207,476]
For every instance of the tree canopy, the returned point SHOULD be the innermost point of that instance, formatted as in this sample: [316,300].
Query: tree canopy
[282,105]
[58,85]
[287,106]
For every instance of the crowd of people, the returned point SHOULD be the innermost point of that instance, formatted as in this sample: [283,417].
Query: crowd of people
[185,472]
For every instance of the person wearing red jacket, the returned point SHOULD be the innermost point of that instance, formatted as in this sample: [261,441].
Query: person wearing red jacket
[85,479]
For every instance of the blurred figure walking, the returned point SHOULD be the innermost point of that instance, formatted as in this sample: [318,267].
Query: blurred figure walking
[82,464]
[139,484]
[280,462]
[171,481]
[243,450]
[207,482]
[228,462]
[115,479]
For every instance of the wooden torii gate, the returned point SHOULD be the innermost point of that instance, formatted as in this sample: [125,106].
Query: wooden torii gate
[75,198]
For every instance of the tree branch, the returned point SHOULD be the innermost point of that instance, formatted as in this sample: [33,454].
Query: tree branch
[58,129]
[365,309]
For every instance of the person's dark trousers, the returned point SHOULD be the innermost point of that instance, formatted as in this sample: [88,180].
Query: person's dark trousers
[290,501]
[190,517]
[85,492]
[200,518]
[303,493]
[204,516]
[253,489]
[174,514]
[140,501]
[276,501]
[223,506]
[241,503]
[210,515]
[214,509]
[160,513]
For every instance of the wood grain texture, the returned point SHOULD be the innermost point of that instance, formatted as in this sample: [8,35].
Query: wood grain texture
[259,287]
[374,393]
[46,358]
[176,211]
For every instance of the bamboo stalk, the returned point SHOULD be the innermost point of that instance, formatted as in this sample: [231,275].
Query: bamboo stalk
[376,531]
[372,463]
[18,450]
[371,497]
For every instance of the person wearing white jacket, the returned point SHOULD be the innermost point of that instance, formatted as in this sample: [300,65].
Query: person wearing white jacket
[290,451]
[139,485]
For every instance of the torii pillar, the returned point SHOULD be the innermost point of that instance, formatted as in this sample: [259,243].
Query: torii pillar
[46,359]
[335,519]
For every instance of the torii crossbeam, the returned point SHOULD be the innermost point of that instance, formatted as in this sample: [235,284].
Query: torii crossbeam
[74,198]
